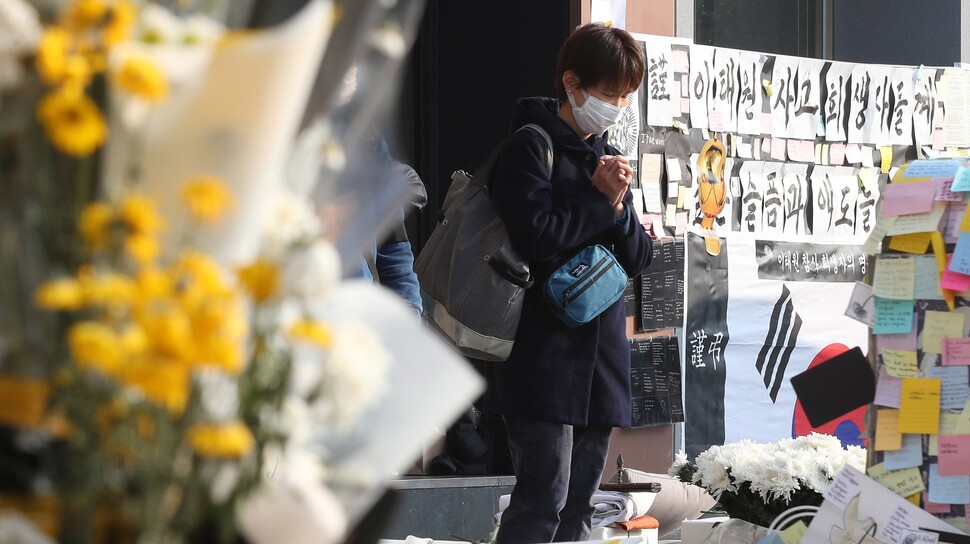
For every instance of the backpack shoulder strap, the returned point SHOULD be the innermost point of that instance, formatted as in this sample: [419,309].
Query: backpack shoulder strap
[545,141]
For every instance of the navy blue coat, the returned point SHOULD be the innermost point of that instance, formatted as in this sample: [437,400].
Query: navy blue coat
[575,376]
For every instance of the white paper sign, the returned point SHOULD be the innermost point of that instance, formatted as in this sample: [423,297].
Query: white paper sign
[783,79]
[752,190]
[879,106]
[750,92]
[924,105]
[724,101]
[659,84]
[956,125]
[823,214]
[845,185]
[701,77]
[901,120]
[837,88]
[795,184]
[773,205]
[859,105]
[806,110]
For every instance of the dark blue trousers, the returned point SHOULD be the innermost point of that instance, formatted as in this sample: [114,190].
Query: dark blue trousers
[557,469]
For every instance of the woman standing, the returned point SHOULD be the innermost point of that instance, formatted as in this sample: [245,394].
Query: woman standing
[563,389]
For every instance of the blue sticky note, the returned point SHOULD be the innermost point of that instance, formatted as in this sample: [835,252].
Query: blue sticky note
[954,386]
[927,278]
[932,168]
[961,180]
[961,254]
[948,489]
[909,455]
[893,316]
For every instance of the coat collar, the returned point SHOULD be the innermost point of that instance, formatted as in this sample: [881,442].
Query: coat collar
[542,111]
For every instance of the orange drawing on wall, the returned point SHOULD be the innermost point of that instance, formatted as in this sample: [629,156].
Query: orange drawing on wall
[710,191]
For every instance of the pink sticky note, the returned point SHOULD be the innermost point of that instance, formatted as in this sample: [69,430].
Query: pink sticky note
[766,123]
[934,507]
[956,351]
[715,121]
[679,60]
[888,390]
[938,139]
[954,280]
[944,193]
[685,87]
[778,149]
[954,454]
[907,198]
[837,154]
[685,105]
[904,341]
[766,145]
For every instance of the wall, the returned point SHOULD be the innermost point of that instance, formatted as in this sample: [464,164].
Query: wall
[911,32]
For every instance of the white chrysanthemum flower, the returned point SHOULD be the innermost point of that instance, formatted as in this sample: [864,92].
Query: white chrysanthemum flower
[197,29]
[157,25]
[292,221]
[680,461]
[353,376]
[309,272]
[20,28]
[219,395]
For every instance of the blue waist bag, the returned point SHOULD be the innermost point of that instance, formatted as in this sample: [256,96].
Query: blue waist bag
[585,285]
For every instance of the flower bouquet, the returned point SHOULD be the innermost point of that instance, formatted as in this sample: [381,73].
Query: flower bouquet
[756,482]
[178,354]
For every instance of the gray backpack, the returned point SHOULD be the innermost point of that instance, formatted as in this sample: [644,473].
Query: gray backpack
[472,280]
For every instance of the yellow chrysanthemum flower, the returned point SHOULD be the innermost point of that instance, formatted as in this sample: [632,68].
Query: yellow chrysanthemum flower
[222,353]
[52,52]
[231,440]
[153,284]
[141,215]
[260,279]
[120,19]
[141,76]
[143,248]
[107,289]
[207,198]
[314,332]
[94,225]
[162,381]
[62,294]
[169,330]
[220,316]
[72,121]
[134,340]
[82,14]
[96,346]
[198,273]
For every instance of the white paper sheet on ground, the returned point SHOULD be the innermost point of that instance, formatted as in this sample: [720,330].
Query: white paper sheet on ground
[901,121]
[235,119]
[783,77]
[806,110]
[701,77]
[724,100]
[924,106]
[430,386]
[856,504]
[660,84]
[751,93]
[837,89]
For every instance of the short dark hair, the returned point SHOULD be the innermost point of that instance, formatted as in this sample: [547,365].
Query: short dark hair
[598,53]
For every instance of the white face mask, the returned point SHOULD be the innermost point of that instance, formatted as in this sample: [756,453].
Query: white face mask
[596,116]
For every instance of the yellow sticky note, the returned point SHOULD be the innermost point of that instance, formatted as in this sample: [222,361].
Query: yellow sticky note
[769,87]
[903,482]
[887,158]
[895,278]
[914,498]
[940,325]
[869,178]
[888,437]
[794,533]
[916,243]
[682,197]
[900,363]
[963,421]
[965,223]
[919,406]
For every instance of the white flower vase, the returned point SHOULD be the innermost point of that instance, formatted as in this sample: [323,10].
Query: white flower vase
[233,112]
